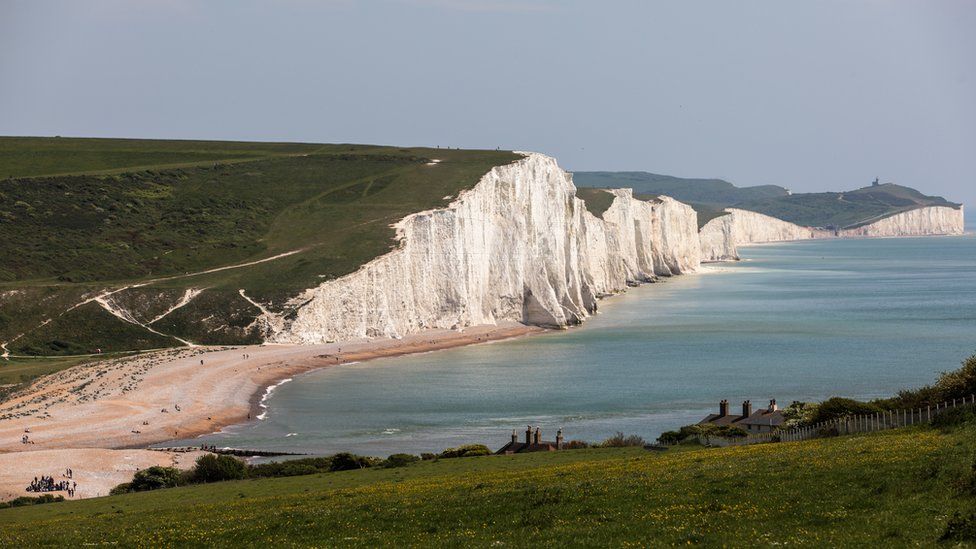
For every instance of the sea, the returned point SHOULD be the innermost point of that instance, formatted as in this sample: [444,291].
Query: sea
[799,321]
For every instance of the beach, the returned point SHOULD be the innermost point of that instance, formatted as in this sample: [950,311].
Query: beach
[133,402]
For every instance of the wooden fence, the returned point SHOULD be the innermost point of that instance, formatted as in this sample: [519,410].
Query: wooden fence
[865,423]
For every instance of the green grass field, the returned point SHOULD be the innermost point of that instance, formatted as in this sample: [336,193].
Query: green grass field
[890,489]
[78,216]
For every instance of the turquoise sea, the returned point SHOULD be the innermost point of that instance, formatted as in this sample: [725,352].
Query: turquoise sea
[796,321]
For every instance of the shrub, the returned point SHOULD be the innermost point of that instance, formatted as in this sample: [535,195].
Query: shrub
[960,528]
[468,450]
[212,468]
[960,383]
[576,445]
[24,501]
[123,488]
[156,477]
[290,468]
[619,440]
[345,462]
[838,407]
[399,460]
[954,417]
[427,456]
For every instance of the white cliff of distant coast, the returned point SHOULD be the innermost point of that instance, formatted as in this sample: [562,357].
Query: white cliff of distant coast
[722,236]
[518,246]
[927,221]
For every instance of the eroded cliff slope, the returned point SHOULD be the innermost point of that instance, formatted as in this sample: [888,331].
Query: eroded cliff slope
[519,246]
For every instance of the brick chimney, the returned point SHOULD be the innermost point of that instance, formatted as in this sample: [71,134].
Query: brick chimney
[538,435]
[514,436]
[746,408]
[723,408]
[528,435]
[772,405]
[559,439]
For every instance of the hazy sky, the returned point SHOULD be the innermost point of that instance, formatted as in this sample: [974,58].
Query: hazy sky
[823,95]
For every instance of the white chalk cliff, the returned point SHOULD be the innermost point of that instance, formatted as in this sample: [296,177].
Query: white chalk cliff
[518,246]
[927,221]
[721,237]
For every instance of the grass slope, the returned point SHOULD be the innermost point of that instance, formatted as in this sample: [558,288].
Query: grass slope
[896,488]
[597,201]
[710,196]
[716,193]
[114,217]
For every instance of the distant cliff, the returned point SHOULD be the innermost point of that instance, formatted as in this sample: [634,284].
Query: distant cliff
[721,237]
[519,246]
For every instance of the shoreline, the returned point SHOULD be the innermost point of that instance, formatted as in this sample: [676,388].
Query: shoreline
[136,402]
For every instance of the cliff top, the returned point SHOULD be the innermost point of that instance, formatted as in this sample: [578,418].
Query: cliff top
[79,216]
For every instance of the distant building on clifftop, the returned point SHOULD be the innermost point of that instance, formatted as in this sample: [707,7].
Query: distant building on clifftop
[533,443]
[763,420]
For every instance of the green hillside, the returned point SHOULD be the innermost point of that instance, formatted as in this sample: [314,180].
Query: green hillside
[707,192]
[81,216]
[831,209]
[895,488]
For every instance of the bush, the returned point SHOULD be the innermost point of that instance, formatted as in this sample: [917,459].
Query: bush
[345,462]
[576,445]
[399,460]
[212,468]
[290,468]
[960,528]
[960,383]
[468,450]
[954,417]
[24,501]
[156,477]
[123,488]
[619,440]
[838,407]
[427,456]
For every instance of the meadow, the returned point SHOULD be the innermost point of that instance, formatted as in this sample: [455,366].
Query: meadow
[896,488]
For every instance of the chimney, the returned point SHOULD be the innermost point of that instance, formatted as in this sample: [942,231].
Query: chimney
[528,435]
[514,436]
[537,435]
[772,405]
[723,408]
[746,408]
[559,439]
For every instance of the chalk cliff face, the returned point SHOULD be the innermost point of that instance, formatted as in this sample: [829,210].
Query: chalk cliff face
[518,246]
[721,237]
[931,220]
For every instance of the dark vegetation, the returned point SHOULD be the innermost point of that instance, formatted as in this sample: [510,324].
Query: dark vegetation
[710,196]
[597,200]
[24,501]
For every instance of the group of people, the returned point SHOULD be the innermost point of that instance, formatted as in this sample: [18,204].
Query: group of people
[48,484]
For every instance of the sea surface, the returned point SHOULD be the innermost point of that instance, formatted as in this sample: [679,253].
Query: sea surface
[795,321]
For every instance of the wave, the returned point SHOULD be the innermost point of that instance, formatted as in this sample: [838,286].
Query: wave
[267,393]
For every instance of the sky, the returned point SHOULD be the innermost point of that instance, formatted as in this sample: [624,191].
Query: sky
[814,96]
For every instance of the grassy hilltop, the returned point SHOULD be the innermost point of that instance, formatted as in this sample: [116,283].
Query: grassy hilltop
[895,488]
[81,216]
[710,196]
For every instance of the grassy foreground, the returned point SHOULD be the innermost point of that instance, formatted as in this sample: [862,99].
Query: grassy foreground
[895,488]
